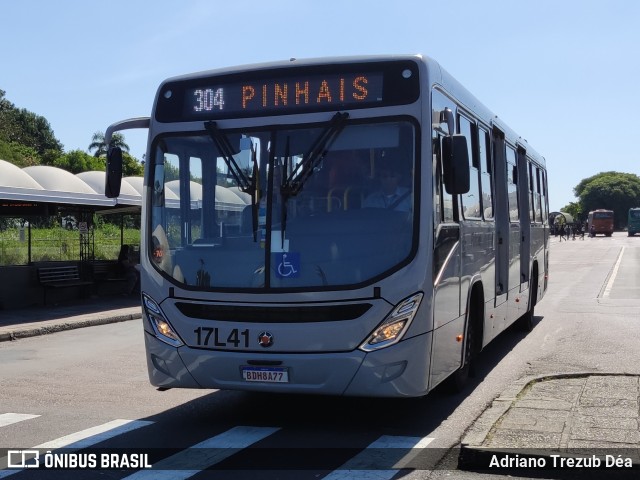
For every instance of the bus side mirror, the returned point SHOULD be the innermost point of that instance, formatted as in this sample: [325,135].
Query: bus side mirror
[113,178]
[455,159]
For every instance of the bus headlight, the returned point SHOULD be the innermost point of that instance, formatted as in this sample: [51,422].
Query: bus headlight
[390,331]
[161,326]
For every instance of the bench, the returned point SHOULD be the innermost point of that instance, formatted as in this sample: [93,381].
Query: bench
[60,277]
[109,278]
[107,272]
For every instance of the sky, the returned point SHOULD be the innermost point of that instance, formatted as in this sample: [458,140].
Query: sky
[563,74]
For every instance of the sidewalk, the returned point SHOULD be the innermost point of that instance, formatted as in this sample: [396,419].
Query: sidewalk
[29,322]
[572,415]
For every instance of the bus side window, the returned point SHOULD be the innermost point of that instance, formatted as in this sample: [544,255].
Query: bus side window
[443,201]
[470,201]
[544,197]
[446,231]
[486,172]
[512,184]
[538,196]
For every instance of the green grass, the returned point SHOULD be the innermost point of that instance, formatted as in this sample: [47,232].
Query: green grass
[59,244]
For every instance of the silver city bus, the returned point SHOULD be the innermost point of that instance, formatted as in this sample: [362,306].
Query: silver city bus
[390,227]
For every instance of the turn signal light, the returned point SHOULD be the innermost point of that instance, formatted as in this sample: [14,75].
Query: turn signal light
[392,328]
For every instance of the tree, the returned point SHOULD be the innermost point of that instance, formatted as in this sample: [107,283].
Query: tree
[98,143]
[131,167]
[575,210]
[612,191]
[19,155]
[7,123]
[77,161]
[20,126]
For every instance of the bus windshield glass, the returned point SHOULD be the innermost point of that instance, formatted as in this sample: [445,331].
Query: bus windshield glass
[603,215]
[317,206]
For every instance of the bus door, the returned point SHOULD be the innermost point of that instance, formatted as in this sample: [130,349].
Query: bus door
[527,216]
[515,237]
[503,236]
[446,250]
[446,269]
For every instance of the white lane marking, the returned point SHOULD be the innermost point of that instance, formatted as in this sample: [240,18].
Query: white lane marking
[374,462]
[204,454]
[93,435]
[614,273]
[84,438]
[10,418]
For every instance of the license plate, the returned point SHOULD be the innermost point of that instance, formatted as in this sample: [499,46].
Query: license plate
[266,374]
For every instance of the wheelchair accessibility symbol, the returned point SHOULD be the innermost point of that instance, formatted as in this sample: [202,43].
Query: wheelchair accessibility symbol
[288,264]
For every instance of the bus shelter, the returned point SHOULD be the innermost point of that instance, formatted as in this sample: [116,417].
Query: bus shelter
[41,193]
[58,199]
[47,200]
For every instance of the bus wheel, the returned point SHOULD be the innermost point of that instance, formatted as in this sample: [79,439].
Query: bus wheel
[525,322]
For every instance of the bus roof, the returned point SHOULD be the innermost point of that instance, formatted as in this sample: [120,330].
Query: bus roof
[436,75]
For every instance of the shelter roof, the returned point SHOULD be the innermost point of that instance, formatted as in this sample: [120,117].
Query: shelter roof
[47,184]
[13,176]
[57,179]
[136,182]
[246,198]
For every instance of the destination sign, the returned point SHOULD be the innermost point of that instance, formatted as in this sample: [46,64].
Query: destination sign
[289,90]
[286,94]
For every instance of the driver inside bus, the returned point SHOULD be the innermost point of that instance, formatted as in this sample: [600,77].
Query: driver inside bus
[390,195]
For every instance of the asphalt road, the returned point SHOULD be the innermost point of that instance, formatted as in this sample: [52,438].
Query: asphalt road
[70,382]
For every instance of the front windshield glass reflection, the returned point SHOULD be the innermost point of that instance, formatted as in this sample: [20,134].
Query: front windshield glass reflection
[266,212]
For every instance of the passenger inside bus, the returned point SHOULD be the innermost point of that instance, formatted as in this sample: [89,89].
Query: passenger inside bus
[348,179]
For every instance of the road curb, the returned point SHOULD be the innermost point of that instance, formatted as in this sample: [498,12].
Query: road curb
[33,331]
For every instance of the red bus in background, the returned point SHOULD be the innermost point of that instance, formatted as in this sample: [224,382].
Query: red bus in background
[600,221]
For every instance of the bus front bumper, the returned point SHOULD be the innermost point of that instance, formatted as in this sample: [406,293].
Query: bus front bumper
[401,370]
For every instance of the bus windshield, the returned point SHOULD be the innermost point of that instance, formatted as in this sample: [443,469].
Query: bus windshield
[605,214]
[282,206]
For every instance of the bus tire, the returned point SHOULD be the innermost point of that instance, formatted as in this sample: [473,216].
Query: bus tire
[525,322]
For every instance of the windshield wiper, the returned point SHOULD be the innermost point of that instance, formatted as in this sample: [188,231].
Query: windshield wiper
[294,183]
[246,185]
[283,200]
[254,193]
[226,150]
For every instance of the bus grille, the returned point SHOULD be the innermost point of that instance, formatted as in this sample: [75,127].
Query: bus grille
[264,314]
